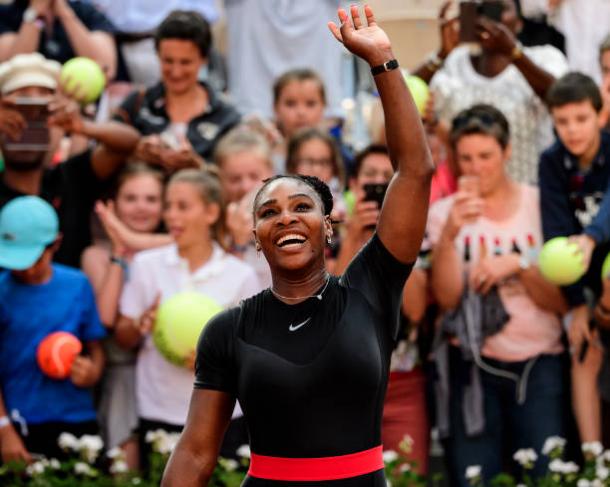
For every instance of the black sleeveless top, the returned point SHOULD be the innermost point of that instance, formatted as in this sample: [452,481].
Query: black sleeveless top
[311,378]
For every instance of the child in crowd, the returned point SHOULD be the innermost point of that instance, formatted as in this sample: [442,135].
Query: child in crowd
[137,202]
[573,176]
[243,157]
[299,101]
[37,298]
[312,152]
[196,260]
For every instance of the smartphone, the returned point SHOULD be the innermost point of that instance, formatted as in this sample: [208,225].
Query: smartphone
[492,9]
[35,136]
[469,184]
[470,11]
[468,21]
[375,192]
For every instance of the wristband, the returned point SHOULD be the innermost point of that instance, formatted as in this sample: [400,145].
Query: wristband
[382,68]
[114,259]
[4,421]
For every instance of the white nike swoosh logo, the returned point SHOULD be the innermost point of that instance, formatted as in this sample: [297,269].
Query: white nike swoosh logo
[295,328]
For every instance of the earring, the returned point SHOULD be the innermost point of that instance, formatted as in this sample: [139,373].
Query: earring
[329,239]
[257,246]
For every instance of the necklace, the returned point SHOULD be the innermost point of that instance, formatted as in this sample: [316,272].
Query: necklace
[319,295]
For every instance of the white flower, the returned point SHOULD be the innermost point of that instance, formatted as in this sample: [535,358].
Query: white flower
[136,481]
[602,472]
[54,464]
[156,435]
[597,483]
[473,472]
[525,457]
[405,467]
[114,453]
[119,466]
[67,441]
[82,468]
[228,464]
[583,483]
[35,468]
[606,456]
[559,466]
[389,456]
[552,444]
[91,442]
[166,443]
[243,451]
[594,448]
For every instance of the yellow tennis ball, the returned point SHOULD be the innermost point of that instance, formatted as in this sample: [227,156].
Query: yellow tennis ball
[561,262]
[419,91]
[606,268]
[85,76]
[179,322]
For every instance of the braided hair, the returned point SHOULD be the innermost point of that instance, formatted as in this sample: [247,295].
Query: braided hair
[319,186]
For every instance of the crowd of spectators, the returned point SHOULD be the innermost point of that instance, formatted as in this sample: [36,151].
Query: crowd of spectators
[108,216]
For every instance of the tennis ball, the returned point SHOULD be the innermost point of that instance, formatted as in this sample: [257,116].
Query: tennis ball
[56,353]
[419,91]
[561,262]
[85,76]
[179,322]
[606,268]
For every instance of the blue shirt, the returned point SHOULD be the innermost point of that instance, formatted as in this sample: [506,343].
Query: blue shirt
[572,202]
[28,313]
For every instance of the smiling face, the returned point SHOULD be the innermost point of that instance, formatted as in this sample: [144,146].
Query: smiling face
[299,105]
[188,217]
[290,225]
[482,155]
[139,202]
[180,61]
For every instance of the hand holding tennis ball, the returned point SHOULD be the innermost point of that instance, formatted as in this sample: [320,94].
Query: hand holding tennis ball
[83,78]
[561,261]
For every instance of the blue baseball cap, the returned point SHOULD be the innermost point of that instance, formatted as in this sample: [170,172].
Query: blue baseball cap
[28,224]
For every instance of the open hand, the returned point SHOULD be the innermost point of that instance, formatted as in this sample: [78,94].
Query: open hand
[116,230]
[364,39]
[239,220]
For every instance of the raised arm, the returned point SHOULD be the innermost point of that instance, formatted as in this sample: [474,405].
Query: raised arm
[192,462]
[403,216]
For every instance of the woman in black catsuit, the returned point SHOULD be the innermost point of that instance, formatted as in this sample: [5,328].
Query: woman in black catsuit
[308,358]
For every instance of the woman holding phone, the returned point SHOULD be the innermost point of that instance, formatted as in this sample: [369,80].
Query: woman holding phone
[313,406]
[485,241]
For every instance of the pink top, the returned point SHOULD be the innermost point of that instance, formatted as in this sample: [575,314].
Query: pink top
[531,330]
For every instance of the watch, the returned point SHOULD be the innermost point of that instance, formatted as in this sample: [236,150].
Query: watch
[382,68]
[30,15]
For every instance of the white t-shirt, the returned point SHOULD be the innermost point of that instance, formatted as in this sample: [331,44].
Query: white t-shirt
[458,86]
[163,390]
[267,38]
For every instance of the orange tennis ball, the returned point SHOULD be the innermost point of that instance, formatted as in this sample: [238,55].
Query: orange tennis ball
[56,353]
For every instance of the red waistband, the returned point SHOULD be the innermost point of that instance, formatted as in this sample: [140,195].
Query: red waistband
[316,469]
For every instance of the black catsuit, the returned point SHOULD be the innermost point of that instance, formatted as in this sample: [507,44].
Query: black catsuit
[316,390]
